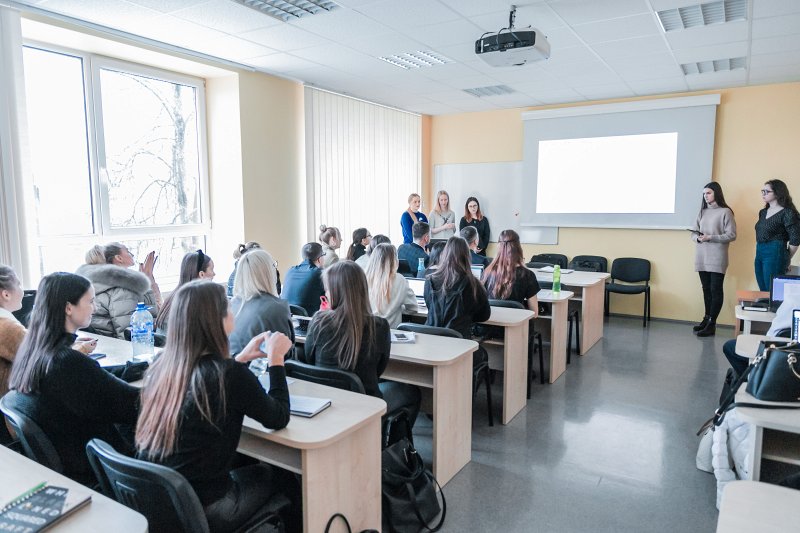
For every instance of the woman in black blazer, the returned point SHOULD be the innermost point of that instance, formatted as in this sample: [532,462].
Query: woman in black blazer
[473,216]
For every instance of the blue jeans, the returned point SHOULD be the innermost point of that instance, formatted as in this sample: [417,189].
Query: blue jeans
[770,262]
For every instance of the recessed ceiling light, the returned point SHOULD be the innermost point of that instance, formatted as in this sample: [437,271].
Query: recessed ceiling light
[717,65]
[493,90]
[705,14]
[286,10]
[418,59]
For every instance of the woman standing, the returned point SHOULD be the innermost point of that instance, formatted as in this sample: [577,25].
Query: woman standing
[473,216]
[715,228]
[778,225]
[411,216]
[442,218]
[195,399]
[195,265]
[331,240]
[389,292]
[361,239]
[66,393]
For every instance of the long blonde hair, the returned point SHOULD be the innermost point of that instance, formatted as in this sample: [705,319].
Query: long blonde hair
[255,275]
[196,332]
[103,254]
[438,207]
[381,270]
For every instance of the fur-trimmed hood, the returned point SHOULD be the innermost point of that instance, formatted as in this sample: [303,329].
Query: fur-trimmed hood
[105,277]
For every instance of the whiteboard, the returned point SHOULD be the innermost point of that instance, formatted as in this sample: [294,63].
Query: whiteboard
[498,188]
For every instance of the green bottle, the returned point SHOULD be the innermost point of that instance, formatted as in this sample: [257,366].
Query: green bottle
[556,279]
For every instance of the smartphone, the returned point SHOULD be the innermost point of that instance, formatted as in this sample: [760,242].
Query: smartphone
[97,356]
[795,325]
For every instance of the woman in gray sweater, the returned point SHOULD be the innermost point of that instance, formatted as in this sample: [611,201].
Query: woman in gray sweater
[714,230]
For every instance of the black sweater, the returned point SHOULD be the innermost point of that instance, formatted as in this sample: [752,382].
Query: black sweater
[457,308]
[78,401]
[204,453]
[783,226]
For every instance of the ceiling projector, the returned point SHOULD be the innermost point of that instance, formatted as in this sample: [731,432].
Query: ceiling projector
[510,47]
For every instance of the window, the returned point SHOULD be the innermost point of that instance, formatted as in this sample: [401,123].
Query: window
[118,154]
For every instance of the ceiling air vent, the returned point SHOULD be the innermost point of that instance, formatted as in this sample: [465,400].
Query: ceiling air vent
[286,10]
[493,90]
[418,59]
[703,14]
[717,65]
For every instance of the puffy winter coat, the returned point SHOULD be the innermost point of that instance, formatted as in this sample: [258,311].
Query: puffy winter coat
[117,291]
[732,451]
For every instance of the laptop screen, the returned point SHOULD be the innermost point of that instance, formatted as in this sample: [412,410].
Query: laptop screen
[417,285]
[477,270]
[783,286]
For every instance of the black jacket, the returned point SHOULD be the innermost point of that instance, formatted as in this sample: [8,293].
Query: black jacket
[303,287]
[458,308]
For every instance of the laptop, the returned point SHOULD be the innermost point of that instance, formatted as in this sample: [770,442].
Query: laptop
[477,270]
[418,286]
[796,325]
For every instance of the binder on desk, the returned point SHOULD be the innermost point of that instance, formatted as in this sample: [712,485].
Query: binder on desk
[41,507]
[306,406]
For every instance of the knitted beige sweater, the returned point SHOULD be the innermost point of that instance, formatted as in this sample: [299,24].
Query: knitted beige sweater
[718,223]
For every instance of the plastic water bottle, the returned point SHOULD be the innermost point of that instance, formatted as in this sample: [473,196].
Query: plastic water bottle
[556,279]
[421,268]
[142,334]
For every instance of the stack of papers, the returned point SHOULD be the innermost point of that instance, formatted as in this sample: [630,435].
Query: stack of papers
[551,269]
[404,337]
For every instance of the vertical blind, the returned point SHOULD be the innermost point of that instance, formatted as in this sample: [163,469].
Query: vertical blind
[363,160]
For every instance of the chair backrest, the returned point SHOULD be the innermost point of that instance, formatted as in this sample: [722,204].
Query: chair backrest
[538,264]
[589,263]
[35,443]
[23,314]
[551,259]
[429,330]
[630,269]
[160,493]
[506,303]
[404,268]
[159,339]
[332,377]
[297,310]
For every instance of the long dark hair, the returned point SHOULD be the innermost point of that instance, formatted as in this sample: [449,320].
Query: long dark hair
[454,266]
[192,264]
[349,316]
[196,333]
[436,253]
[358,235]
[500,275]
[781,195]
[719,198]
[46,330]
[467,214]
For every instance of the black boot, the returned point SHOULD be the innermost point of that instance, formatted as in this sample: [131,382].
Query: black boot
[702,325]
[709,330]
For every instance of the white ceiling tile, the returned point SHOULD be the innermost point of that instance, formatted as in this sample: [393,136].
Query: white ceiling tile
[515,100]
[712,80]
[774,26]
[460,52]
[571,55]
[589,77]
[708,35]
[167,6]
[336,56]
[450,70]
[604,91]
[112,13]
[660,5]
[391,44]
[562,37]
[342,25]
[471,82]
[407,13]
[784,43]
[470,8]
[548,85]
[179,32]
[775,60]
[446,33]
[583,11]
[539,16]
[227,16]
[638,46]
[477,105]
[453,96]
[285,37]
[557,97]
[524,74]
[710,53]
[280,62]
[231,47]
[619,28]
[774,8]
[433,109]
[593,66]
[658,85]
[647,67]
[774,74]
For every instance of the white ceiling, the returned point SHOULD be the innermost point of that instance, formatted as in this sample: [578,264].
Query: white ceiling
[599,48]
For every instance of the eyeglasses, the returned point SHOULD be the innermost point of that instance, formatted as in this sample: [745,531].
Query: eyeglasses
[200,260]
[765,192]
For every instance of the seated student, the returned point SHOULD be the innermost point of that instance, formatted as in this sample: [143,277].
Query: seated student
[350,338]
[434,257]
[455,298]
[389,292]
[331,240]
[194,265]
[373,243]
[65,392]
[195,398]
[412,252]
[118,287]
[361,239]
[507,278]
[255,303]
[303,285]
[470,234]
[237,254]
[11,331]
[781,322]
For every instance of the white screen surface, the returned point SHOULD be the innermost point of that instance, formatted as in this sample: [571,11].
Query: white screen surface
[608,174]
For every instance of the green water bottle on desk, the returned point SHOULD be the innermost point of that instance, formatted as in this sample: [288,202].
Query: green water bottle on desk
[556,279]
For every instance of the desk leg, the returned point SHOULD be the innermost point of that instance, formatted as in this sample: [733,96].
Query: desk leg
[344,477]
[592,316]
[758,445]
[747,326]
[558,340]
[515,369]
[452,418]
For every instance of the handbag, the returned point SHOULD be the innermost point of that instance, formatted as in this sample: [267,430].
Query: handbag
[410,502]
[343,518]
[129,372]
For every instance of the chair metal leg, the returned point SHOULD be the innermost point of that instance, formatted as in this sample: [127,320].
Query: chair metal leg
[569,340]
[541,360]
[489,398]
[606,303]
[578,332]
[531,350]
[644,311]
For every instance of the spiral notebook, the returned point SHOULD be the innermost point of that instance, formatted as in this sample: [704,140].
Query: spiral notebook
[40,507]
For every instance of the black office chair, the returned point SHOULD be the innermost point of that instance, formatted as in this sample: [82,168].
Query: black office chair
[35,444]
[630,270]
[404,268]
[23,314]
[332,377]
[534,342]
[161,494]
[159,339]
[551,259]
[297,310]
[480,371]
[589,263]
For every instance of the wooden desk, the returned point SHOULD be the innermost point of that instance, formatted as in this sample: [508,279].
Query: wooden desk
[749,506]
[559,309]
[103,514]
[592,288]
[742,295]
[748,317]
[747,344]
[337,453]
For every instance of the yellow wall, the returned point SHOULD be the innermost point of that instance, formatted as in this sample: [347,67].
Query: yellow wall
[757,138]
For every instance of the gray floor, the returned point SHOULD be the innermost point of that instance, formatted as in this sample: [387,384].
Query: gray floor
[609,447]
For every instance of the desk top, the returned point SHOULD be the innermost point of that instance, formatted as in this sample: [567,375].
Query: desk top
[102,514]
[753,506]
[578,278]
[433,350]
[549,296]
[754,316]
[781,419]
[747,345]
